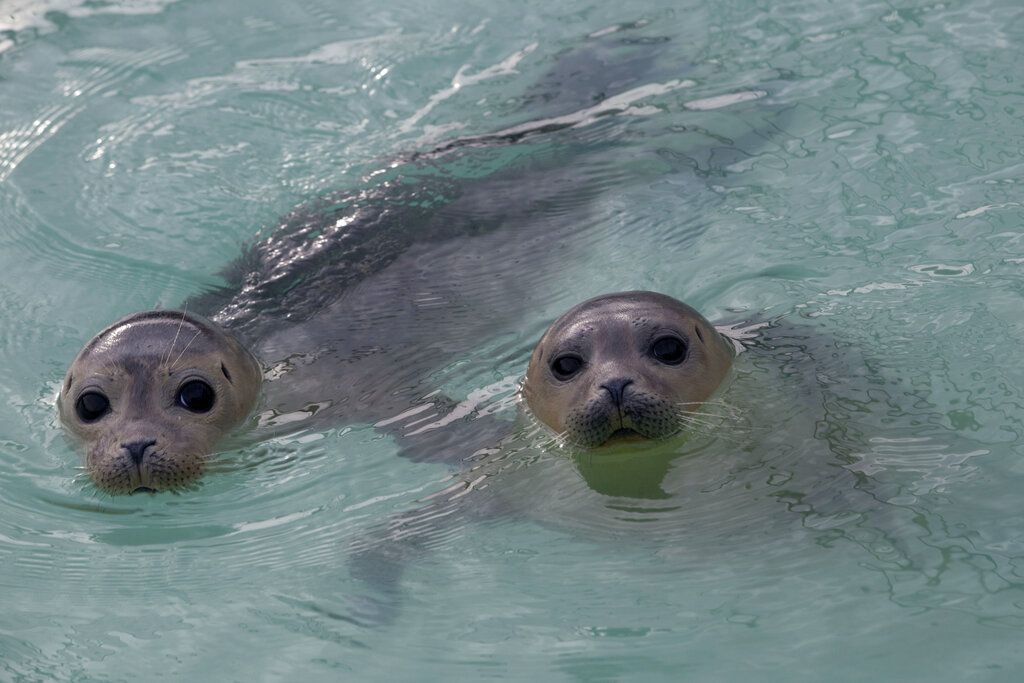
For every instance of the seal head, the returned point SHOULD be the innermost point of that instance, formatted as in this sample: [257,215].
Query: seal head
[630,364]
[151,395]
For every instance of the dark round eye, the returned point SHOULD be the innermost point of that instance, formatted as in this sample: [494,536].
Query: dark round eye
[566,366]
[669,350]
[196,395]
[91,406]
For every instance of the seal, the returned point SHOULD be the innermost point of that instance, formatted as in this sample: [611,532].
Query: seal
[625,365]
[360,302]
[619,368]
[152,394]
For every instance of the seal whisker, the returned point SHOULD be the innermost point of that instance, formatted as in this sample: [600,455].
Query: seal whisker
[702,406]
[184,350]
[697,427]
[727,410]
[710,420]
[181,322]
[712,423]
[708,430]
[689,423]
[557,440]
[730,413]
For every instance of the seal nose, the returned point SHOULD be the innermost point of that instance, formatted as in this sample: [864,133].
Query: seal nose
[617,387]
[137,449]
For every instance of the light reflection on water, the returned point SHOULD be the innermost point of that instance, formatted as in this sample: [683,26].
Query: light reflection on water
[853,178]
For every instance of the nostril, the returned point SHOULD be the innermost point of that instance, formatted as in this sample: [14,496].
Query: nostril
[617,388]
[137,449]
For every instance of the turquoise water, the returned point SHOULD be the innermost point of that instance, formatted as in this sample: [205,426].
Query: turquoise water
[853,171]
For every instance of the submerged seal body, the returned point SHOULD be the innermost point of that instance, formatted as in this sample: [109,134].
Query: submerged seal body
[631,364]
[151,395]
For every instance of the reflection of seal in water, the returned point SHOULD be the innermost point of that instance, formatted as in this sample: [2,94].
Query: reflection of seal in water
[151,395]
[628,364]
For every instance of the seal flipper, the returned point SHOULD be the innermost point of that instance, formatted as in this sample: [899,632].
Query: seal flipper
[436,432]
[379,558]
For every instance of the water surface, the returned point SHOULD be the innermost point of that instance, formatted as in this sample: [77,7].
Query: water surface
[854,173]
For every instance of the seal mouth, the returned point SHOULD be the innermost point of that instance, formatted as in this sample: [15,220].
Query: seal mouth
[143,489]
[625,433]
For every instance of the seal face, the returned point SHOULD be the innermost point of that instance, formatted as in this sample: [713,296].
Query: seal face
[631,364]
[151,395]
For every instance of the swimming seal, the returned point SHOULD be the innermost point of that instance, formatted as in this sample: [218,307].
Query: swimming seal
[358,302]
[152,394]
[630,364]
[624,366]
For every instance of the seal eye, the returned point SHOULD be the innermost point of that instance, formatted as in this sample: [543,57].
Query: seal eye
[669,350]
[566,366]
[91,406]
[196,396]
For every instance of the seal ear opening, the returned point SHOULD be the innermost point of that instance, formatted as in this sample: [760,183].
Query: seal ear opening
[67,382]
[227,375]
[700,336]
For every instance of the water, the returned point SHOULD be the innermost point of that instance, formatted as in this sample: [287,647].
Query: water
[855,174]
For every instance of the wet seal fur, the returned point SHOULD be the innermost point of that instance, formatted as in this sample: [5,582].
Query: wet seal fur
[625,365]
[152,394]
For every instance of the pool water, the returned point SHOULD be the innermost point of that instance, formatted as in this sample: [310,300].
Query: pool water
[852,511]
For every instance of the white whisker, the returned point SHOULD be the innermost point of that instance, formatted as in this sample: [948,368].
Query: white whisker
[729,411]
[184,350]
[176,332]
[706,419]
[694,418]
[717,418]
[557,440]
